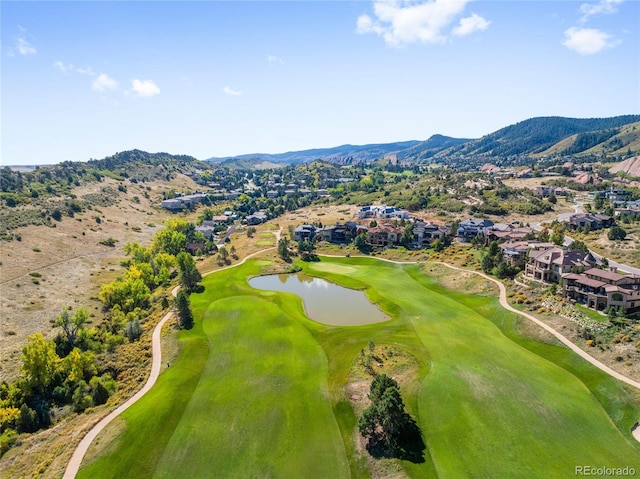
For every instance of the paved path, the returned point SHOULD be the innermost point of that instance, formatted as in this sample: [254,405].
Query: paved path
[156,365]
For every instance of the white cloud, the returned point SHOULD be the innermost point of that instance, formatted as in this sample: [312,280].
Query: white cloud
[275,59]
[104,83]
[62,67]
[471,24]
[21,44]
[605,7]
[85,71]
[587,41]
[231,91]
[144,88]
[400,22]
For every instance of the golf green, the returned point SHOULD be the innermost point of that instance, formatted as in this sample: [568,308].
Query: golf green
[258,389]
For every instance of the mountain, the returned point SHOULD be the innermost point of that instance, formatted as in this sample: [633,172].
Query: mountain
[430,148]
[535,137]
[344,154]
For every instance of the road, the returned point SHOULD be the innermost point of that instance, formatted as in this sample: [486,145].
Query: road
[227,234]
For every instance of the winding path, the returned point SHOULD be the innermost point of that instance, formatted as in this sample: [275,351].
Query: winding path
[74,463]
[76,459]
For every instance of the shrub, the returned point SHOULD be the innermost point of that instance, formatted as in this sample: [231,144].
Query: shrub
[108,242]
[7,440]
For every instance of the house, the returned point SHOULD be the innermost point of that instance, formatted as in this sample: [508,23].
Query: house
[382,212]
[549,264]
[601,289]
[514,253]
[590,220]
[304,232]
[341,233]
[613,194]
[425,233]
[193,248]
[172,204]
[207,230]
[469,229]
[193,199]
[383,235]
[543,191]
[272,194]
[509,233]
[256,218]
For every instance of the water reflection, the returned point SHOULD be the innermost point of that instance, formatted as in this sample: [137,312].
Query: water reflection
[324,302]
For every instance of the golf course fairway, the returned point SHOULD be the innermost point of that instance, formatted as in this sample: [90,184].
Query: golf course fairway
[258,389]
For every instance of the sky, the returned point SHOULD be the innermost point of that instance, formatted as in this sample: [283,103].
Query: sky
[83,80]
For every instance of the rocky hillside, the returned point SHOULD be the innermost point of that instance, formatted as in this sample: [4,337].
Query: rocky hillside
[630,167]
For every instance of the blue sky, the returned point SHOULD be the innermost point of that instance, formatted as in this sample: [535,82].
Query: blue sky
[84,80]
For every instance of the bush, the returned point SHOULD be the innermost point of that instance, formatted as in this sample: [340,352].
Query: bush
[109,242]
[7,440]
[617,234]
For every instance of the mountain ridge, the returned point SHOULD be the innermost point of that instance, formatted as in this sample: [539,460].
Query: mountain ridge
[532,137]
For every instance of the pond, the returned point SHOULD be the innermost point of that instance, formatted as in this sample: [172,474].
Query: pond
[324,302]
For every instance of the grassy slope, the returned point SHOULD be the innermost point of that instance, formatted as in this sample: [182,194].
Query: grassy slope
[490,408]
[249,396]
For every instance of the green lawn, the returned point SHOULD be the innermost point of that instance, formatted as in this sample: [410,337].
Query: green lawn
[258,389]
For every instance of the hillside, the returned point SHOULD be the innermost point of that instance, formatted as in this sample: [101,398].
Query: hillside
[345,154]
[539,134]
[435,145]
[630,167]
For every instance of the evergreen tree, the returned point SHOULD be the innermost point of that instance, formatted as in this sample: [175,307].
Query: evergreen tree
[185,316]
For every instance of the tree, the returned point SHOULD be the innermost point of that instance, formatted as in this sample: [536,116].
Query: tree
[185,316]
[616,233]
[360,242]
[389,430]
[72,325]
[598,202]
[557,237]
[133,330]
[407,235]
[129,294]
[283,249]
[579,246]
[188,274]
[39,362]
[487,264]
[306,249]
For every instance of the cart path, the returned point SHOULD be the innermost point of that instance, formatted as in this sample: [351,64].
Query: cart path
[73,466]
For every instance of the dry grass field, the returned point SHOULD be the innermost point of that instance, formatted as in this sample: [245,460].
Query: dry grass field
[54,268]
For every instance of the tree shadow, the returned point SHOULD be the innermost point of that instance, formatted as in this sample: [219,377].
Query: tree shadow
[407,445]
